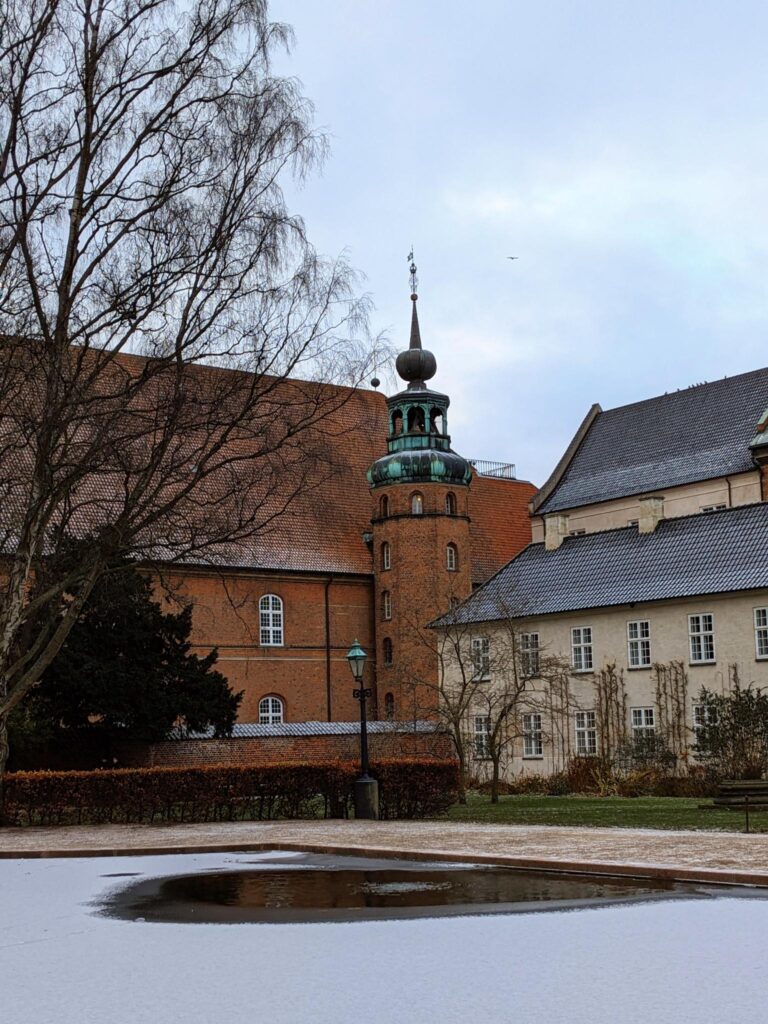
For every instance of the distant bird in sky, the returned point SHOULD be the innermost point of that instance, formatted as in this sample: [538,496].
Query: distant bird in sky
[513,257]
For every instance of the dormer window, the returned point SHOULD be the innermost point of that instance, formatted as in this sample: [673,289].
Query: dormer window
[417,504]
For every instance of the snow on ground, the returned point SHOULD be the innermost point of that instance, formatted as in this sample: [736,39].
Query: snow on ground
[61,963]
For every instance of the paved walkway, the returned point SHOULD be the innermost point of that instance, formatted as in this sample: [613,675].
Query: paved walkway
[695,856]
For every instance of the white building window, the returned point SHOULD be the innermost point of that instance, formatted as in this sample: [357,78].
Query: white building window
[481,657]
[530,662]
[533,745]
[713,508]
[386,555]
[417,504]
[581,649]
[482,737]
[643,722]
[702,716]
[701,632]
[450,504]
[451,558]
[270,711]
[577,533]
[761,632]
[386,605]
[639,643]
[586,733]
[271,621]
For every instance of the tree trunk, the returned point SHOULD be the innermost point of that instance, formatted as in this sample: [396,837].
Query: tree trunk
[462,778]
[4,751]
[495,782]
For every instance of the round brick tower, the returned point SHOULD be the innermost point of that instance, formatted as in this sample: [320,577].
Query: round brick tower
[420,534]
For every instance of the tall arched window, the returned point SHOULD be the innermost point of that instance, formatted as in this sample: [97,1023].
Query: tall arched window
[271,621]
[451,558]
[389,706]
[384,506]
[387,651]
[450,504]
[417,503]
[386,555]
[270,711]
[386,605]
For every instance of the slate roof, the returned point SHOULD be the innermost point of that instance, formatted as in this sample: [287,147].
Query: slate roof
[251,730]
[695,434]
[707,553]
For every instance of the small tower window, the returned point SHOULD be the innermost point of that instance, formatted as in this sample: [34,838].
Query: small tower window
[450,504]
[386,605]
[386,555]
[451,558]
[387,645]
[436,421]
[271,621]
[389,706]
[416,420]
[397,422]
[417,504]
[384,506]
[270,711]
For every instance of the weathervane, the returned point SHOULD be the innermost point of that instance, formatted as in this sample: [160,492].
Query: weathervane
[414,279]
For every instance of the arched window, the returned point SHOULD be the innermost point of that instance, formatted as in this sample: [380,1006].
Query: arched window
[451,558]
[417,504]
[416,420]
[389,706]
[450,504]
[397,422]
[387,651]
[386,605]
[271,621]
[384,506]
[386,555]
[270,711]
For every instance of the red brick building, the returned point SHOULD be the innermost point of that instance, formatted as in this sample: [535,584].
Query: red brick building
[402,527]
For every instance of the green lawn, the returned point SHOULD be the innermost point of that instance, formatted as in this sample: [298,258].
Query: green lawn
[639,812]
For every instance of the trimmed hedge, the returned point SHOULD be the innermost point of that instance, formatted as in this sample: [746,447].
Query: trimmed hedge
[409,788]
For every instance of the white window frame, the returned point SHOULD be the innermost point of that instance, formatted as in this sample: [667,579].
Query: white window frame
[481,657]
[451,558]
[701,639]
[386,555]
[701,718]
[271,621]
[577,533]
[760,619]
[482,747]
[718,507]
[533,741]
[582,651]
[633,522]
[586,733]
[639,643]
[450,504]
[386,605]
[417,504]
[643,722]
[530,655]
[271,711]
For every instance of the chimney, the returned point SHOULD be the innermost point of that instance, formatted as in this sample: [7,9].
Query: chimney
[555,530]
[651,514]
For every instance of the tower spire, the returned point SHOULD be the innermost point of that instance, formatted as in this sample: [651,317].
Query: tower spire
[415,365]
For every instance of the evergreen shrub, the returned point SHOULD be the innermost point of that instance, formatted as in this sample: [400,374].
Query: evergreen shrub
[411,788]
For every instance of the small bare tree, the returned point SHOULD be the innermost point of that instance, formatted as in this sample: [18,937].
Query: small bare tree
[145,249]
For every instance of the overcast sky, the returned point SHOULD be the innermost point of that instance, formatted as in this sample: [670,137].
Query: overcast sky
[618,149]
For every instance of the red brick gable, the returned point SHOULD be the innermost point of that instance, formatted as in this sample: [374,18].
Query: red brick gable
[500,524]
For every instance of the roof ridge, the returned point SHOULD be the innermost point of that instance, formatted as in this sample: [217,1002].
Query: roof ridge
[686,390]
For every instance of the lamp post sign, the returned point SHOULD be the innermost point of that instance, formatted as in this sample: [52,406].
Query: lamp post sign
[366,788]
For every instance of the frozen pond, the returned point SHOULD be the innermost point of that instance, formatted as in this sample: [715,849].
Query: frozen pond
[602,957]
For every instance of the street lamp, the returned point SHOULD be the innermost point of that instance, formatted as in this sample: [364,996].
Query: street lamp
[366,788]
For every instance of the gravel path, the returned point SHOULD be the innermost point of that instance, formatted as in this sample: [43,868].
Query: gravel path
[701,856]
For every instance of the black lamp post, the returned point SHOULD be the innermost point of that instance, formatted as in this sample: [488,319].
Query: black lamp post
[366,788]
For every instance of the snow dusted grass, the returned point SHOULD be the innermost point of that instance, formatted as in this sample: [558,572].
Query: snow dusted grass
[664,962]
[638,812]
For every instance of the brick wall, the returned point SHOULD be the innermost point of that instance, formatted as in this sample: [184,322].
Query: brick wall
[286,750]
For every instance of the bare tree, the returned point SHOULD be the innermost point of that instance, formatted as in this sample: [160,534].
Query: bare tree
[157,302]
